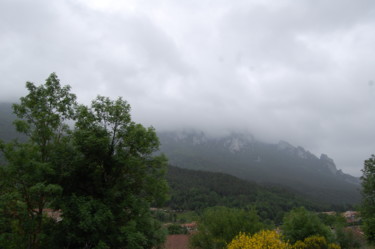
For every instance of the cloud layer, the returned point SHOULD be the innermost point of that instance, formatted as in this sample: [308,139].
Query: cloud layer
[300,71]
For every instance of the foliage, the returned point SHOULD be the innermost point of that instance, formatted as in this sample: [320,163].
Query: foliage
[197,190]
[368,199]
[176,229]
[315,242]
[219,225]
[300,224]
[347,238]
[263,239]
[271,239]
[27,177]
[332,220]
[102,176]
[187,216]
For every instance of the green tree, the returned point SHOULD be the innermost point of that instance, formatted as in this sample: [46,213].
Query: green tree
[300,224]
[114,180]
[368,199]
[347,238]
[219,225]
[102,176]
[27,177]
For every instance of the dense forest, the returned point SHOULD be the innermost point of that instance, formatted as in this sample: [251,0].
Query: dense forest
[196,190]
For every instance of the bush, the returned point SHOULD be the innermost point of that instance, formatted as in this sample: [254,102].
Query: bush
[260,240]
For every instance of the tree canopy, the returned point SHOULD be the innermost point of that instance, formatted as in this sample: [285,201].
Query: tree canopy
[219,225]
[101,176]
[300,224]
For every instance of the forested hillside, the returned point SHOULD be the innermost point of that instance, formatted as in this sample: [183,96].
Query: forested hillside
[196,190]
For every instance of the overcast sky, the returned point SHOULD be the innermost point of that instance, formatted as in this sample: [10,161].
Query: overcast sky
[301,71]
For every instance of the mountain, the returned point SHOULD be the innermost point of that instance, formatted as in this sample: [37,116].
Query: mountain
[280,164]
[7,130]
[244,157]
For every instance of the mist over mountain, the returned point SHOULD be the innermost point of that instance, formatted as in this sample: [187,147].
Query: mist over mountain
[243,156]
[7,130]
[281,164]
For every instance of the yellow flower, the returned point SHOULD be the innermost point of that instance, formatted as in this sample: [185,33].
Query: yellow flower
[262,240]
[314,242]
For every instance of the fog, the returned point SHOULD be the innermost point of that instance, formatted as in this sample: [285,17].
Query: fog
[300,71]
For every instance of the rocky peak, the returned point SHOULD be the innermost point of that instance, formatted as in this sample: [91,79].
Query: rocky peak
[236,142]
[299,151]
[195,138]
[285,146]
[329,163]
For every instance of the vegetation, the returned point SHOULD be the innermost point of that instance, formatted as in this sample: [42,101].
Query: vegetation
[219,225]
[263,239]
[279,164]
[300,224]
[273,240]
[176,229]
[315,242]
[101,177]
[368,199]
[197,190]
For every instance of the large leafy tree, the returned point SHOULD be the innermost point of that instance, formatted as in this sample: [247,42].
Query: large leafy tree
[300,224]
[102,176]
[27,179]
[107,194]
[368,199]
[219,225]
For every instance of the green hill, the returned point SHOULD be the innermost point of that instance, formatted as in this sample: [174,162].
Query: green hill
[196,190]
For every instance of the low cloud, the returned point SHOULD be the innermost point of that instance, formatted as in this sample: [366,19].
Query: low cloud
[298,71]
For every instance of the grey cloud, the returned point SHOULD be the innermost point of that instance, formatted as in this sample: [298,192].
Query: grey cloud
[292,70]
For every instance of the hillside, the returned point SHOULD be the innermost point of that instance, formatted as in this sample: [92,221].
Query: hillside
[196,190]
[276,164]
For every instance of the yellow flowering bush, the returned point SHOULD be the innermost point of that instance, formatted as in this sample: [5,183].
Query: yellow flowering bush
[314,242]
[262,240]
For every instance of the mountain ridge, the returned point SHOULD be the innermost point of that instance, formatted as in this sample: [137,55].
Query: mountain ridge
[243,156]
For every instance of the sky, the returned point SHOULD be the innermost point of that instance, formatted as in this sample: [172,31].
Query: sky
[300,71]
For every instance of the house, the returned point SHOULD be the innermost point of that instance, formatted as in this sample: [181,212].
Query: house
[351,216]
[190,226]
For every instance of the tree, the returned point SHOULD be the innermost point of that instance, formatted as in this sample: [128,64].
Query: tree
[260,240]
[347,238]
[368,199]
[114,180]
[102,176]
[219,225]
[27,178]
[300,224]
